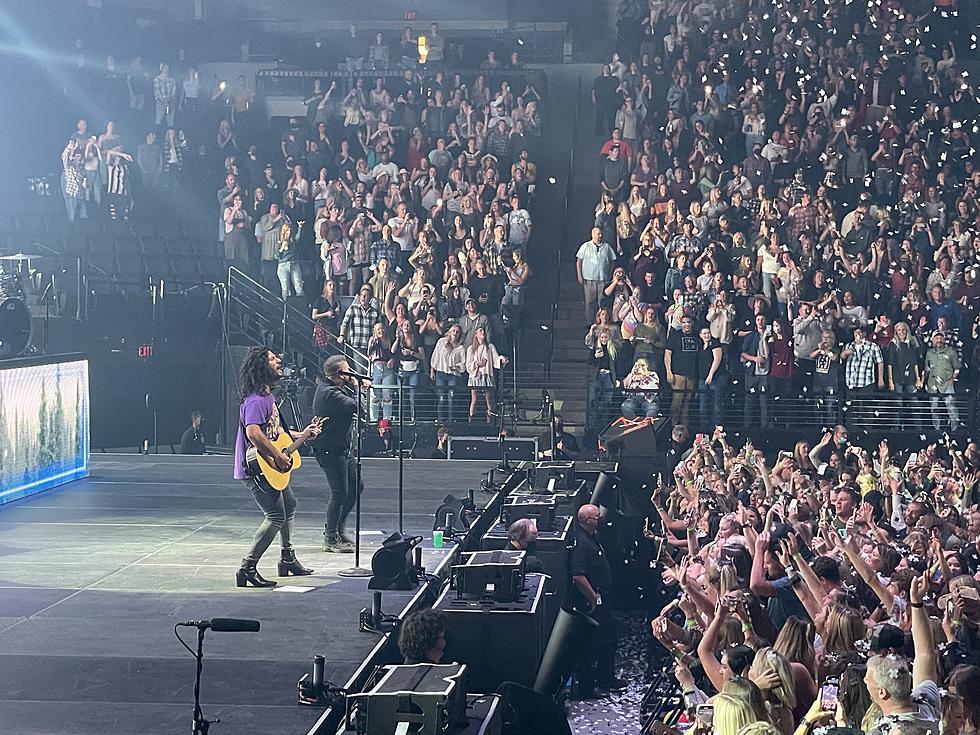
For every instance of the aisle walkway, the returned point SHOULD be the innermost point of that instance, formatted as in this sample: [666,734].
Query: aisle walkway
[555,228]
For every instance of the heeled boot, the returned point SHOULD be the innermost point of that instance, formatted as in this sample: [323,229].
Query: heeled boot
[247,573]
[288,564]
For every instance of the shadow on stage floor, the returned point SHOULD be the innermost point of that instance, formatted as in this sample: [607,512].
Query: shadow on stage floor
[94,575]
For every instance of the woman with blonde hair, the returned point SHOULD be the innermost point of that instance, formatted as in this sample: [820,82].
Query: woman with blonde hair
[481,361]
[625,230]
[739,704]
[771,672]
[843,627]
[795,642]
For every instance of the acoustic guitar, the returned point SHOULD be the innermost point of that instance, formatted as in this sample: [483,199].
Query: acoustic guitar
[266,474]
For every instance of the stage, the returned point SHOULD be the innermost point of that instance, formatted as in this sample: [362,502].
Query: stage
[94,575]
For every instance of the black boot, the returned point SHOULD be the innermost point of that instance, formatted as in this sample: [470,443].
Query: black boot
[289,565]
[332,543]
[248,573]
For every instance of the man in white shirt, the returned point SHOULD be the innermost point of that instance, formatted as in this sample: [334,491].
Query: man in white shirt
[518,224]
[386,166]
[774,151]
[403,231]
[593,264]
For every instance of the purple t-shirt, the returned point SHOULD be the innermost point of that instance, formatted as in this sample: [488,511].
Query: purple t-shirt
[255,409]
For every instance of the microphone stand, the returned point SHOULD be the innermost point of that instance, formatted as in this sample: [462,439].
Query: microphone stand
[357,570]
[401,456]
[201,725]
[552,432]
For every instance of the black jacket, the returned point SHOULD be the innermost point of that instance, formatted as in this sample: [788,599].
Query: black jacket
[337,409]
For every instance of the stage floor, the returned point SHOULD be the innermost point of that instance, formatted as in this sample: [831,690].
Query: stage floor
[94,575]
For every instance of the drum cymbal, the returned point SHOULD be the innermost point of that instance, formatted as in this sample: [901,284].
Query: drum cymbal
[20,256]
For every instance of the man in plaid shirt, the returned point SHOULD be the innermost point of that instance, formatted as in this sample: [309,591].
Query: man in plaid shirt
[165,94]
[802,218]
[359,320]
[863,367]
[73,181]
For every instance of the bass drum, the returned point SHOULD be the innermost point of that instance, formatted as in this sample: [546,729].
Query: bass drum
[15,328]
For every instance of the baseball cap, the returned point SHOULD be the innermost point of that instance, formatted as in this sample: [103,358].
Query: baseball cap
[886,636]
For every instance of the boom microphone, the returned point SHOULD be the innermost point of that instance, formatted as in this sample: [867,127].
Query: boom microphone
[224,625]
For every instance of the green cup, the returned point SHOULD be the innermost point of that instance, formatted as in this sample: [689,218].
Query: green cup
[437,539]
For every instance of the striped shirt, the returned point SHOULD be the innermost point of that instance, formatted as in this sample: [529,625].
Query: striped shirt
[117,179]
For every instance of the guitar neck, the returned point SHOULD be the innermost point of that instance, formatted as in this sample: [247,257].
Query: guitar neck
[294,446]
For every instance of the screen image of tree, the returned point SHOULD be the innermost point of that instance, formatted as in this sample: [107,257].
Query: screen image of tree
[44,427]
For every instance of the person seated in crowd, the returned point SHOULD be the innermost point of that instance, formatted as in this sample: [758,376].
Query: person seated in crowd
[642,389]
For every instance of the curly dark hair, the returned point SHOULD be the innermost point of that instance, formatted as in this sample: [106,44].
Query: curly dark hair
[255,372]
[419,633]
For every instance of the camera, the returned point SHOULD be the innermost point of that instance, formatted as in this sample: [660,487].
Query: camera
[292,376]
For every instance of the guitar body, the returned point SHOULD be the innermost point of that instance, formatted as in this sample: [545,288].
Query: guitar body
[264,473]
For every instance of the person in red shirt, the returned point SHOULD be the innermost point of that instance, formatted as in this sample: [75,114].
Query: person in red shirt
[781,371]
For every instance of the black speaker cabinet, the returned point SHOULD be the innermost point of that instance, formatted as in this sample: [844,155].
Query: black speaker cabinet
[497,641]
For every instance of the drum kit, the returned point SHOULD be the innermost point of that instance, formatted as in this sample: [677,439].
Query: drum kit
[15,316]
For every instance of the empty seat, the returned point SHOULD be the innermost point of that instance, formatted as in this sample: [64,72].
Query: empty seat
[88,227]
[72,246]
[213,268]
[117,227]
[57,224]
[158,266]
[185,271]
[102,264]
[204,247]
[180,247]
[99,244]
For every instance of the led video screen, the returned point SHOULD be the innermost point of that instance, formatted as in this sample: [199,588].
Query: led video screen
[44,424]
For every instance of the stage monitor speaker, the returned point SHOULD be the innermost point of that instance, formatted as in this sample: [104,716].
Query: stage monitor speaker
[632,439]
[391,565]
[430,698]
[515,448]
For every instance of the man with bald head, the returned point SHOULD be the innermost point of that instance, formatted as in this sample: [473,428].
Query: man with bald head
[593,266]
[591,578]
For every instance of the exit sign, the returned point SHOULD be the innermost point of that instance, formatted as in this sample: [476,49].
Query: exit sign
[145,351]
[409,15]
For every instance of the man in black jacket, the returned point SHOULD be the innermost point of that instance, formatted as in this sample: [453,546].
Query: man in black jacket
[334,403]
[591,577]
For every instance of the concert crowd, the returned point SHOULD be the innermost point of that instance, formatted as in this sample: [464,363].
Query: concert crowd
[786,231]
[787,225]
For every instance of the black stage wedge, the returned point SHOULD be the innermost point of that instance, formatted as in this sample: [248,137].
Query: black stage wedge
[391,565]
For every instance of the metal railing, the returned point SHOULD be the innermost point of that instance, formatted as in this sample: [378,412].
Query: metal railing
[873,413]
[265,318]
[300,81]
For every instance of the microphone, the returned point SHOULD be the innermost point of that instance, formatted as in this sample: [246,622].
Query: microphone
[352,374]
[224,625]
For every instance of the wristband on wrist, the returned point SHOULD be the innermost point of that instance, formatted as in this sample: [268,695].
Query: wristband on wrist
[690,623]
[746,627]
[915,604]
